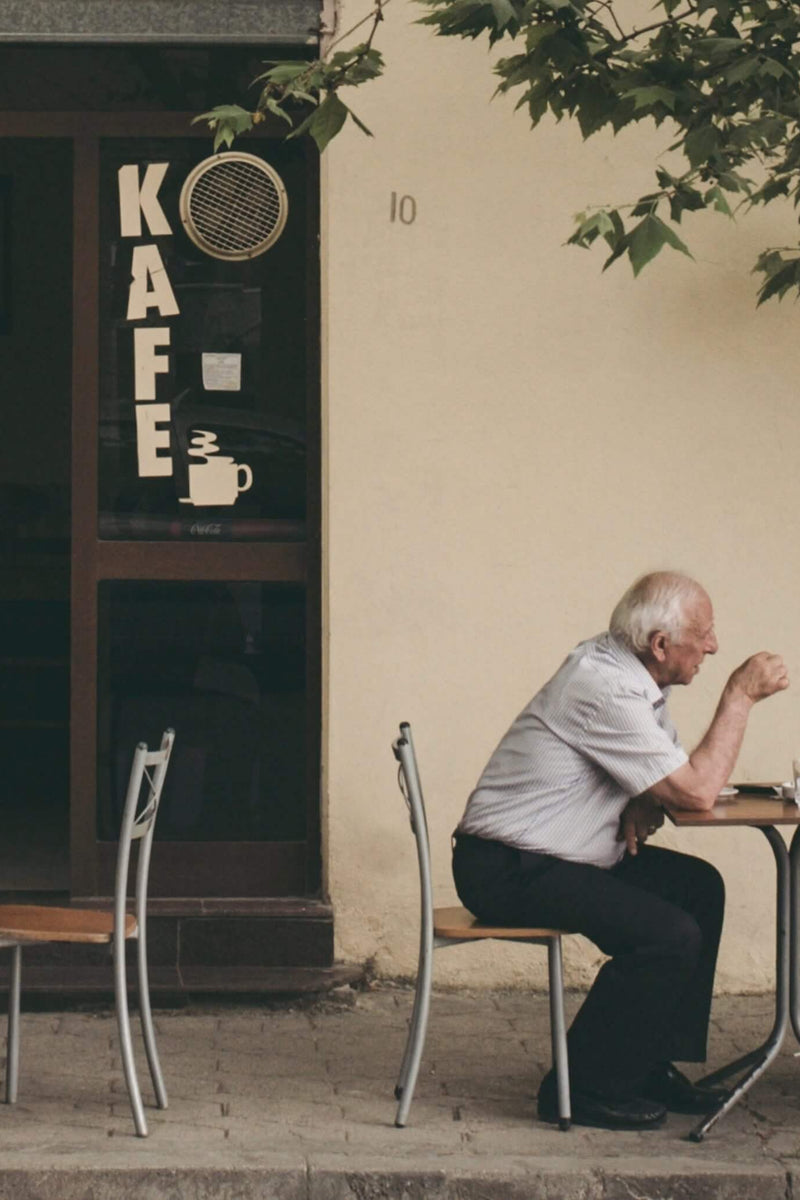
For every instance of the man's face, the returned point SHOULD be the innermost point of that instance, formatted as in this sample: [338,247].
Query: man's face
[682,657]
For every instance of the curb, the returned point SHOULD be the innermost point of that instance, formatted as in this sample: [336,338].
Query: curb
[553,1180]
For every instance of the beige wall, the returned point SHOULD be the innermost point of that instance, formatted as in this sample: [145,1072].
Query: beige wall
[511,437]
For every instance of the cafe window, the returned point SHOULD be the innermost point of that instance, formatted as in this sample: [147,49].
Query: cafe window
[203,363]
[222,663]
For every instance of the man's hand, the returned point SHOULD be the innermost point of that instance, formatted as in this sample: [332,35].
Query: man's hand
[641,817]
[760,676]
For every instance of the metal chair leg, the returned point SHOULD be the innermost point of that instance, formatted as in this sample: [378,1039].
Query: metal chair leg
[125,1040]
[402,1075]
[12,1060]
[416,1037]
[558,1031]
[148,1030]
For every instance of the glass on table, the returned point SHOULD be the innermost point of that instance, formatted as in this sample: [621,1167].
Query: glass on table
[796,781]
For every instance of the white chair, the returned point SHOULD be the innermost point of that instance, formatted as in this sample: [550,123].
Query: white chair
[22,924]
[442,927]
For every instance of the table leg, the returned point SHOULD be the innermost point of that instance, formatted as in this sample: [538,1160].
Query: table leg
[794,933]
[757,1061]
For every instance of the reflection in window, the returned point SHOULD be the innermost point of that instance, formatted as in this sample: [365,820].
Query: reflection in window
[224,665]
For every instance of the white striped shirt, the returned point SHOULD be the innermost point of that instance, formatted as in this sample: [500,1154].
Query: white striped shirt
[596,734]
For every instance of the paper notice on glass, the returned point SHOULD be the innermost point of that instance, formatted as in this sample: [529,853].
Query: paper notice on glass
[222,372]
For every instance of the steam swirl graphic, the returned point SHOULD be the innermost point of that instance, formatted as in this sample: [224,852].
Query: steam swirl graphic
[204,444]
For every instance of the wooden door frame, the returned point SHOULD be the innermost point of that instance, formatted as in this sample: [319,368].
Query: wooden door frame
[94,560]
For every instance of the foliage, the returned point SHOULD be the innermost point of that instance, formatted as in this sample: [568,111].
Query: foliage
[306,94]
[720,75]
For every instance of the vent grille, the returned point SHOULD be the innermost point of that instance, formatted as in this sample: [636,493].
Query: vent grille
[233,206]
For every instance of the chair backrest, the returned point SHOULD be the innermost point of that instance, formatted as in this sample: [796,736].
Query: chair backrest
[142,799]
[410,786]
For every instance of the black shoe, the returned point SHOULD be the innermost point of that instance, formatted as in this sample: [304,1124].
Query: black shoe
[670,1087]
[601,1112]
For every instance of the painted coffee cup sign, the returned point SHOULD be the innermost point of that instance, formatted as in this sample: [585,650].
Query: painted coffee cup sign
[214,480]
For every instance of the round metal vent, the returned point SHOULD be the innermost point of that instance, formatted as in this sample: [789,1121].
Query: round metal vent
[233,205]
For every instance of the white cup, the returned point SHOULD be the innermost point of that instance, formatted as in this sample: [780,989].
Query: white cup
[218,481]
[796,780]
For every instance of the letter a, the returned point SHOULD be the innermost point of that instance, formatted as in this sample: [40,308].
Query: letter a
[133,200]
[147,264]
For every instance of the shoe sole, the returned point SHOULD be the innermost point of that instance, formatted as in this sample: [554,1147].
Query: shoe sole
[596,1123]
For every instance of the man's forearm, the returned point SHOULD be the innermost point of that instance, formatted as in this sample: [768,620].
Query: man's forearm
[714,758]
[697,784]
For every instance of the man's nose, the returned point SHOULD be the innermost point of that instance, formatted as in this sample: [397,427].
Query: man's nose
[712,645]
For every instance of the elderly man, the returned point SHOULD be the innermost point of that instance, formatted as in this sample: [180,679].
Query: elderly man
[554,833]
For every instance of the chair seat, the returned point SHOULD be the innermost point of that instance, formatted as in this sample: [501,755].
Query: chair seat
[41,923]
[459,922]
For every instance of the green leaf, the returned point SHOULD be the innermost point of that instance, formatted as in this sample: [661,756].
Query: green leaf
[771,189]
[230,114]
[599,224]
[284,72]
[733,182]
[275,108]
[742,70]
[618,251]
[504,13]
[700,143]
[540,33]
[325,122]
[718,47]
[645,97]
[672,239]
[646,204]
[779,282]
[716,196]
[647,238]
[777,70]
[593,105]
[227,121]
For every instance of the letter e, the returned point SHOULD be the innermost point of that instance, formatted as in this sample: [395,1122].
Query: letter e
[150,439]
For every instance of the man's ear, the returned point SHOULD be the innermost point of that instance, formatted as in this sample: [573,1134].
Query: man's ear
[658,645]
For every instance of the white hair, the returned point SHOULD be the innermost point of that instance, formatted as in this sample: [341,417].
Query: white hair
[655,603]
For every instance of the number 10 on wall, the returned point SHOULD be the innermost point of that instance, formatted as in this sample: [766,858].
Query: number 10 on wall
[403,209]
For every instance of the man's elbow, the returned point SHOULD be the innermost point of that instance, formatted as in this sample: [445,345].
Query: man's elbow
[685,789]
[695,799]
[693,795]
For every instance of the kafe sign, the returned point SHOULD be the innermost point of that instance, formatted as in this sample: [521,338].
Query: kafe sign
[214,479]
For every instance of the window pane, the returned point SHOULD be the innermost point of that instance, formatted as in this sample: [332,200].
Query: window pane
[223,664]
[203,361]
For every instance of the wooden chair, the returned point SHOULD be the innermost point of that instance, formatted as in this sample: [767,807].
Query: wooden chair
[442,927]
[22,924]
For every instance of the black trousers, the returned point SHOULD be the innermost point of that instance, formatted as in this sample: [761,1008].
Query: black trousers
[657,914]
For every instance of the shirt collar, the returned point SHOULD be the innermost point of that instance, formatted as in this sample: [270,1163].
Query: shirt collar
[656,695]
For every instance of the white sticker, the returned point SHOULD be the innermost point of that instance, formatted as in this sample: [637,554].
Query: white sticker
[222,372]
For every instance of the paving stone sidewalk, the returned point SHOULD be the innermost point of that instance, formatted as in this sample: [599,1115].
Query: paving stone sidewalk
[296,1102]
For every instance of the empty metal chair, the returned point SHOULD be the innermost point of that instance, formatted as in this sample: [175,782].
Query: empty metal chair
[28,923]
[443,927]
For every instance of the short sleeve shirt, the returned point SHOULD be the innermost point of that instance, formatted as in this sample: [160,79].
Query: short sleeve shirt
[597,734]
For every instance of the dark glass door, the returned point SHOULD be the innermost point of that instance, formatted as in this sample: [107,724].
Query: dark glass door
[206,524]
[202,554]
[135,595]
[35,393]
